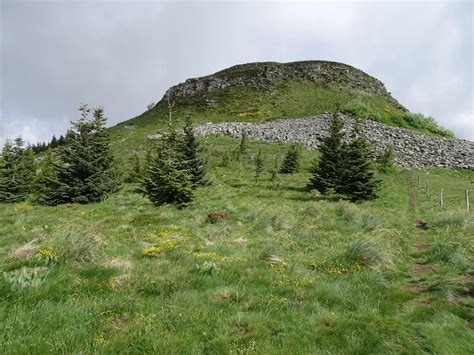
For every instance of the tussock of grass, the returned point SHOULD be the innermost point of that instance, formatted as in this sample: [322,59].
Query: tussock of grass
[74,247]
[366,253]
[451,219]
[449,254]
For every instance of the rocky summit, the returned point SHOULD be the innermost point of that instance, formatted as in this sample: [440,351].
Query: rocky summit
[268,75]
[411,149]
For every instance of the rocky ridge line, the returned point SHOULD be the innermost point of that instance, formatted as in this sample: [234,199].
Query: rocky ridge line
[262,76]
[411,149]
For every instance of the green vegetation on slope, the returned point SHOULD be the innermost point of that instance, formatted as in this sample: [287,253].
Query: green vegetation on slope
[286,271]
[257,98]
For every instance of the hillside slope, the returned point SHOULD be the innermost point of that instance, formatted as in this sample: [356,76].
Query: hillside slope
[287,269]
[263,91]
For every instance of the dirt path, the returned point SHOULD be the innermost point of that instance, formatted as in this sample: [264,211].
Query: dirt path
[418,269]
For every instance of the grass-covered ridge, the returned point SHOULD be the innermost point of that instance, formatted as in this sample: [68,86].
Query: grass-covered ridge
[287,271]
[262,91]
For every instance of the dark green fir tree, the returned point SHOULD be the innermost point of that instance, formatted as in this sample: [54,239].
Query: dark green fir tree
[243,143]
[167,178]
[275,169]
[17,171]
[327,173]
[84,167]
[358,181]
[190,149]
[291,162]
[385,160]
[258,165]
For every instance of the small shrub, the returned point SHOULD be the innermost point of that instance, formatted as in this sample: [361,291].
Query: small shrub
[385,161]
[216,216]
[291,162]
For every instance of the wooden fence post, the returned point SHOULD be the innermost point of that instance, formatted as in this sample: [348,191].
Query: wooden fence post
[466,195]
[427,192]
[441,202]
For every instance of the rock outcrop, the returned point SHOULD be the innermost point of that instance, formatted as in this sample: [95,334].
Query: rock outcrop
[411,149]
[263,76]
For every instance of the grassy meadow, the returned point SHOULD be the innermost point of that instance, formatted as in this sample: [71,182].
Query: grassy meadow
[285,270]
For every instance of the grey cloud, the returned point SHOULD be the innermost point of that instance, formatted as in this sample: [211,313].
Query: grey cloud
[123,55]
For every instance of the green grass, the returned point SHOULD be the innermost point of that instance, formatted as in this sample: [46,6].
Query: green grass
[288,271]
[286,99]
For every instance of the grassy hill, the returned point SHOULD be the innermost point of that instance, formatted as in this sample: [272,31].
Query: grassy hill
[262,91]
[286,272]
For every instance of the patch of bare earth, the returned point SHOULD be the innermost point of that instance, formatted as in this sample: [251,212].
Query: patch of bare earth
[25,251]
[416,267]
[422,246]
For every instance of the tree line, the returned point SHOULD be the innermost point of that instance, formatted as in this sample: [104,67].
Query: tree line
[82,169]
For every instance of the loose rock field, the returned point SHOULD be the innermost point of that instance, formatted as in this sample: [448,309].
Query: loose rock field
[411,149]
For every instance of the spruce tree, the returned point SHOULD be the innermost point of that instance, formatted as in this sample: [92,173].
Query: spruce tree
[275,169]
[190,149]
[385,160]
[358,180]
[54,142]
[84,169]
[243,144]
[258,165]
[167,179]
[46,182]
[61,140]
[328,172]
[17,169]
[291,161]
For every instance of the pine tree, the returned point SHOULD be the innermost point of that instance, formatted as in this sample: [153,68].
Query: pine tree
[46,182]
[243,144]
[275,169]
[61,140]
[85,169]
[327,174]
[189,147]
[167,179]
[17,169]
[258,165]
[385,160]
[291,161]
[54,142]
[358,180]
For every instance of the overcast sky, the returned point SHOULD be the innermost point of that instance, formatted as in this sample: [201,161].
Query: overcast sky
[125,54]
